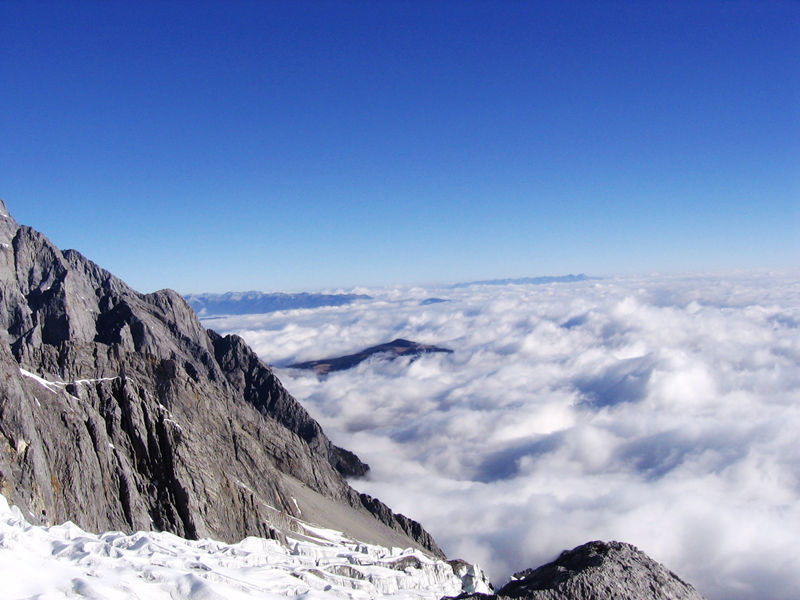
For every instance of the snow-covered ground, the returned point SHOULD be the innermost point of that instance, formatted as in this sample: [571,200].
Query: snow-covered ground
[48,563]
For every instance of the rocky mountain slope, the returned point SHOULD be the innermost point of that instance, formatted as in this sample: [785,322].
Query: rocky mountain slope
[391,350]
[596,571]
[118,410]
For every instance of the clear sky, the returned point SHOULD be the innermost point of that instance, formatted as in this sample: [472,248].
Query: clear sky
[307,145]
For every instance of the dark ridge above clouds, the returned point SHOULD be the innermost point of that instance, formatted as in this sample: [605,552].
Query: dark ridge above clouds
[391,350]
[429,301]
[245,303]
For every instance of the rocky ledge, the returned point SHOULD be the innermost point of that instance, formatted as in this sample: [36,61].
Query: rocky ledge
[596,571]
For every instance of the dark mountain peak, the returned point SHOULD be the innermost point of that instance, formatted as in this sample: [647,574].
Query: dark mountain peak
[597,571]
[400,343]
[391,350]
[429,301]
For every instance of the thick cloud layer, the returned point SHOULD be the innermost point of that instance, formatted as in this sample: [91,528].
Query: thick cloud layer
[664,412]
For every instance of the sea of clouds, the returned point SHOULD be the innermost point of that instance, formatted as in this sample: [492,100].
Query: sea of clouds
[661,411]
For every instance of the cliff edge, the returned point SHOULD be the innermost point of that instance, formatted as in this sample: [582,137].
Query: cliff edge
[118,410]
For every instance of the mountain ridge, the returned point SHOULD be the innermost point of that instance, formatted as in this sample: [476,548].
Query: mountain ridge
[394,349]
[120,411]
[254,302]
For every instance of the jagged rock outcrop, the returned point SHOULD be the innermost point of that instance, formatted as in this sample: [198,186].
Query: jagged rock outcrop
[261,388]
[118,410]
[596,571]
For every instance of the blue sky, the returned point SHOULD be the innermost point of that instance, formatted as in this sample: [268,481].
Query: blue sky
[308,145]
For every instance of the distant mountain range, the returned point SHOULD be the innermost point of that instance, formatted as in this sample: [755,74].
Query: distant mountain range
[391,350]
[245,303]
[529,280]
[252,302]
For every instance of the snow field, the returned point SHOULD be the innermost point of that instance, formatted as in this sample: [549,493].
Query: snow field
[63,561]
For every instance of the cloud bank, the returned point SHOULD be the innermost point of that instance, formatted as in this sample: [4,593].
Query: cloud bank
[659,411]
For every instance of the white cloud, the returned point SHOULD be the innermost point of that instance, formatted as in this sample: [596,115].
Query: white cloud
[658,411]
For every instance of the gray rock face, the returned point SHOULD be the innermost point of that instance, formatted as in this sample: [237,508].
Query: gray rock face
[597,571]
[118,410]
[259,386]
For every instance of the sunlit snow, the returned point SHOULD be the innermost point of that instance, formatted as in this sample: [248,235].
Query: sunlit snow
[66,562]
[56,386]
